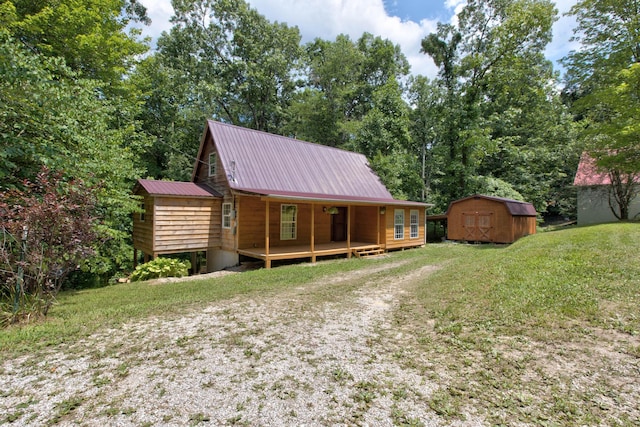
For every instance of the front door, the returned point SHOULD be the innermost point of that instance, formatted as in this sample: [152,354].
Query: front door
[339,225]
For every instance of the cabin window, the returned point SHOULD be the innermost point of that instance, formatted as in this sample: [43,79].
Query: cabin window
[413,221]
[141,211]
[398,224]
[213,159]
[226,215]
[288,222]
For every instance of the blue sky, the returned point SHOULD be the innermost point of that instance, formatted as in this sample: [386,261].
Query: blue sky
[404,22]
[415,10]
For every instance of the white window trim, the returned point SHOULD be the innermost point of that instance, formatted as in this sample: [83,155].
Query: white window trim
[414,213]
[283,223]
[213,158]
[226,215]
[396,224]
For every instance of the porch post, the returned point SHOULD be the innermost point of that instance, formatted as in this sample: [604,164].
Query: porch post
[348,231]
[313,233]
[135,257]
[267,261]
[378,224]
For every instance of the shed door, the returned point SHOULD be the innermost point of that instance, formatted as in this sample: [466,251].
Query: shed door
[477,226]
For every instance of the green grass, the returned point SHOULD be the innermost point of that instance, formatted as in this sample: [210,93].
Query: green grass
[484,326]
[551,279]
[516,329]
[587,274]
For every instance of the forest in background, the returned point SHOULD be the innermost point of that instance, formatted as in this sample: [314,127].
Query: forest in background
[86,108]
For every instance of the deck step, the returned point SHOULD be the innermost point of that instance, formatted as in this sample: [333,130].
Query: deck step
[369,252]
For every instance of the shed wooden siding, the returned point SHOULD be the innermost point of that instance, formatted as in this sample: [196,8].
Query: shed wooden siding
[497,223]
[177,224]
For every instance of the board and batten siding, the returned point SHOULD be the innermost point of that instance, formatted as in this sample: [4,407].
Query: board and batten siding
[186,224]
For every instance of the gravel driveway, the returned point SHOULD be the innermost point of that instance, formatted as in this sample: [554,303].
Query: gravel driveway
[294,357]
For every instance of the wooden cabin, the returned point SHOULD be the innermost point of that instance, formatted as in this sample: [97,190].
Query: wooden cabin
[269,197]
[481,218]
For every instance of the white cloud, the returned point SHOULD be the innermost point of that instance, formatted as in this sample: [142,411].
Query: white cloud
[160,11]
[328,18]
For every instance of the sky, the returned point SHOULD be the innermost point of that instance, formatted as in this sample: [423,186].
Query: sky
[404,22]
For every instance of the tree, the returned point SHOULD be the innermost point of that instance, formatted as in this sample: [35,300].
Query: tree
[243,65]
[48,231]
[90,35]
[603,77]
[492,112]
[220,60]
[53,117]
[342,77]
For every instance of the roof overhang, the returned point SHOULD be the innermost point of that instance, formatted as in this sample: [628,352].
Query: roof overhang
[177,189]
[331,199]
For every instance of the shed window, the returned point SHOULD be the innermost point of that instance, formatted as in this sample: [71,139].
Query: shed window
[213,159]
[398,224]
[288,222]
[414,221]
[226,215]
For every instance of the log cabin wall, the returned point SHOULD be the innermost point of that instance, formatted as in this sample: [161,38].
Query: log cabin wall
[365,224]
[407,241]
[250,217]
[186,224]
[143,225]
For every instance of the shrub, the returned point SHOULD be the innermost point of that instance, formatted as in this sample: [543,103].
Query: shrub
[161,267]
[46,232]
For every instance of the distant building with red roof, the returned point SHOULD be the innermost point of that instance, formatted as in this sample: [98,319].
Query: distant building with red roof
[270,197]
[593,194]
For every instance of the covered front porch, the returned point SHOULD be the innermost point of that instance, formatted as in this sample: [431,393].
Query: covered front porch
[311,251]
[278,228]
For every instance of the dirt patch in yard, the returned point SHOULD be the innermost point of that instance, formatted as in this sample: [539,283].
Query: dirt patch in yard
[332,352]
[285,359]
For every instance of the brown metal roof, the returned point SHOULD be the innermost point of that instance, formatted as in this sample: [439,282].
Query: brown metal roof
[268,164]
[515,207]
[179,189]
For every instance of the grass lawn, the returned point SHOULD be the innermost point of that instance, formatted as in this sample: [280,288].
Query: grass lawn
[540,332]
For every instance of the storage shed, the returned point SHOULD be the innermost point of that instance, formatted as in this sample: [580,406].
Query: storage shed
[480,218]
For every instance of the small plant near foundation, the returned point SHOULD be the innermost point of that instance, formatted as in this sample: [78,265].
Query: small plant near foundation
[161,267]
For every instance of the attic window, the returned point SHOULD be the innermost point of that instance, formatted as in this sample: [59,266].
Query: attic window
[213,159]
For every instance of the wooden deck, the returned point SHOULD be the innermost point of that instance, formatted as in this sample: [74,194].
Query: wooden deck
[305,251]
